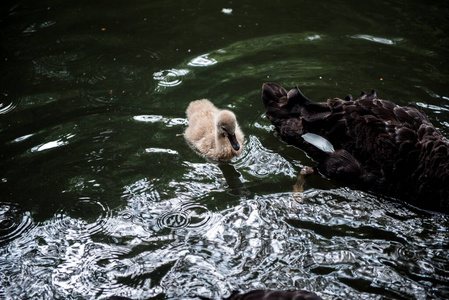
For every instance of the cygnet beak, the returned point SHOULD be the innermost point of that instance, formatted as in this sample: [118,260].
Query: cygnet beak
[234,142]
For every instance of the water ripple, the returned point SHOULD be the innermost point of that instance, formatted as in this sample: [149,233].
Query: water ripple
[13,222]
[83,270]
[89,60]
[53,144]
[173,77]
[178,219]
[261,162]
[84,218]
[202,61]
[201,180]
[188,215]
[169,122]
[8,101]
[376,39]
[70,51]
[128,64]
[169,78]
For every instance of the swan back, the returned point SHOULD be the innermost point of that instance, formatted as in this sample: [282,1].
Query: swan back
[373,143]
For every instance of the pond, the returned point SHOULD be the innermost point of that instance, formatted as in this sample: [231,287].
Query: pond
[100,196]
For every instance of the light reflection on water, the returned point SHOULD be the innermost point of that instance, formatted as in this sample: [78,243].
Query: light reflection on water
[202,61]
[334,241]
[49,145]
[13,222]
[8,101]
[261,163]
[380,40]
[169,78]
[129,209]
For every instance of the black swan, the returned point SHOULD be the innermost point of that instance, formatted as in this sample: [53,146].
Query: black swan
[372,143]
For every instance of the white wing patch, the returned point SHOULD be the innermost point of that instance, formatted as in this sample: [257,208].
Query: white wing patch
[319,142]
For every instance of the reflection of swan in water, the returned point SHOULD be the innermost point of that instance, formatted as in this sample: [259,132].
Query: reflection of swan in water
[232,178]
[213,132]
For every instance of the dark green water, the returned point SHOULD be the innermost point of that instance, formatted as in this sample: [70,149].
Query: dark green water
[99,197]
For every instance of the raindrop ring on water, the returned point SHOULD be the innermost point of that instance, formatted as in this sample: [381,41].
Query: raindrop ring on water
[198,215]
[174,220]
[86,217]
[8,102]
[13,222]
[189,215]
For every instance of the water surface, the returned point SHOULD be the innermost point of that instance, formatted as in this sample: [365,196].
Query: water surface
[100,197]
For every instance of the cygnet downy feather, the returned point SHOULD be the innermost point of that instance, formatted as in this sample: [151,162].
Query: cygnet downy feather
[213,132]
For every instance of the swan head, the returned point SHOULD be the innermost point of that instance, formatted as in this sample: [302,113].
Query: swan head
[226,123]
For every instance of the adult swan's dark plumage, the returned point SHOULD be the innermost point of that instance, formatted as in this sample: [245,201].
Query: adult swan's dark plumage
[373,143]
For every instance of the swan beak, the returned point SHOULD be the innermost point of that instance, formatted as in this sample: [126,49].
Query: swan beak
[234,142]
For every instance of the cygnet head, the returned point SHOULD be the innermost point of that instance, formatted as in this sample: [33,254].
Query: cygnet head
[226,123]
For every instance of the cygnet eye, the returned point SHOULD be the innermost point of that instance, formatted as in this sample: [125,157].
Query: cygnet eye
[224,129]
